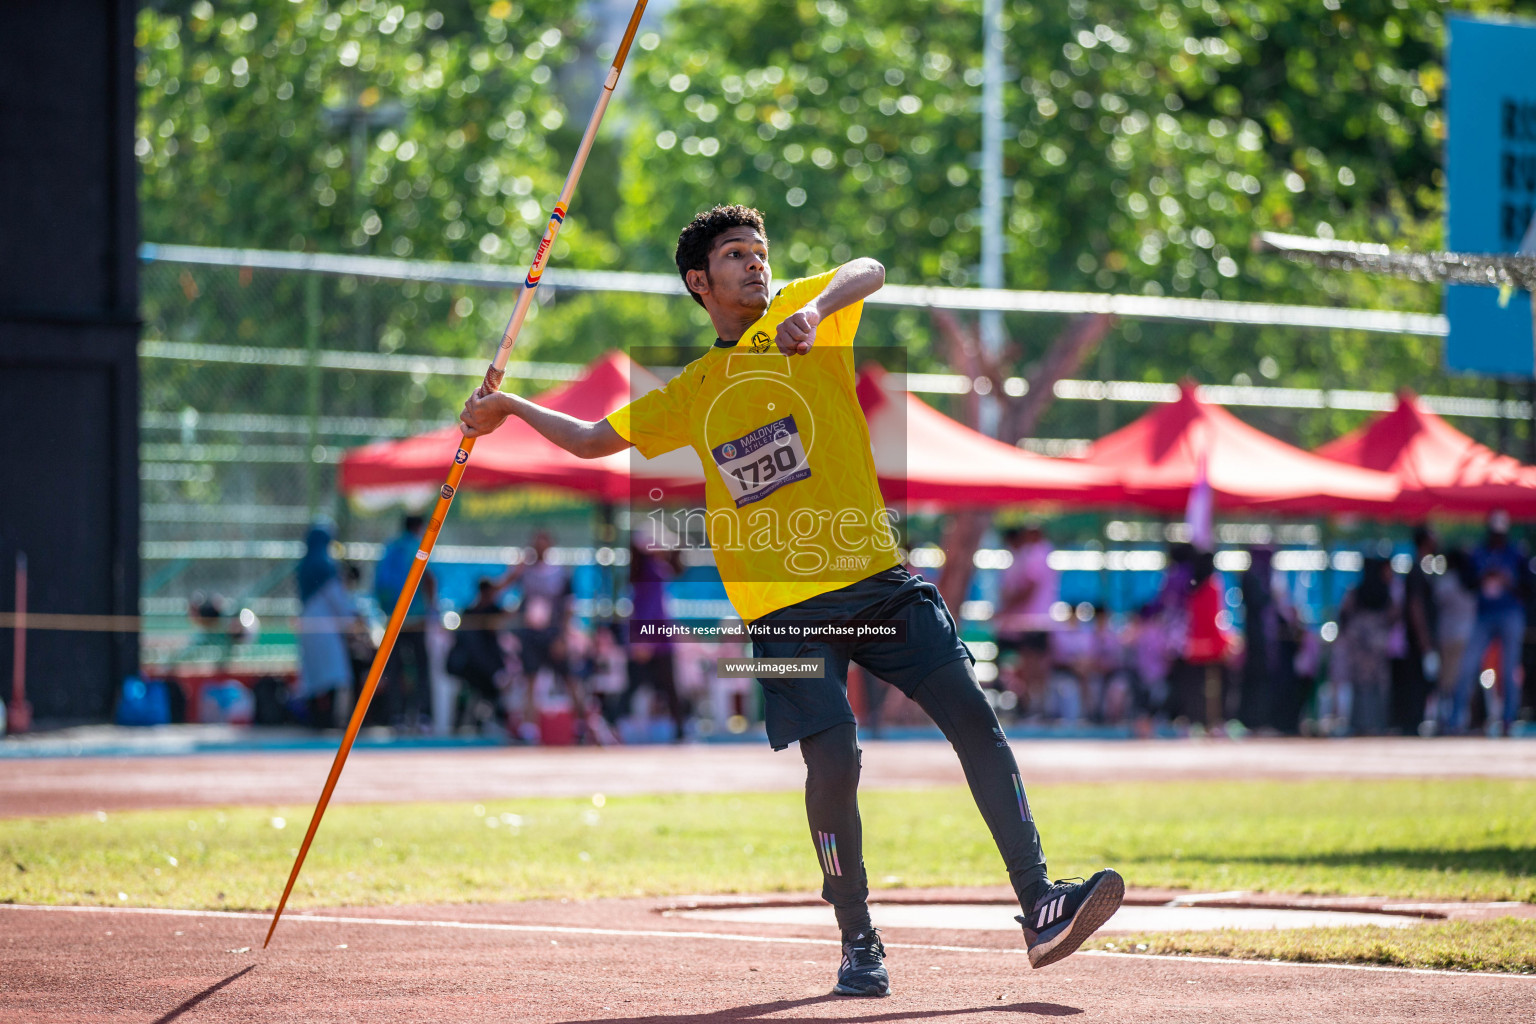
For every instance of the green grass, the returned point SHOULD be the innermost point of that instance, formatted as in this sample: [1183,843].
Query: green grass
[1506,944]
[1454,839]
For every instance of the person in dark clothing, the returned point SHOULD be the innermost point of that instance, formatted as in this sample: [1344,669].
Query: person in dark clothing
[1410,681]
[1368,635]
[1267,676]
[476,656]
[1502,577]
[652,661]
[408,701]
[609,676]
[360,644]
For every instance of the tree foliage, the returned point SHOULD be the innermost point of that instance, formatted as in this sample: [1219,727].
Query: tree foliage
[1147,141]
[244,138]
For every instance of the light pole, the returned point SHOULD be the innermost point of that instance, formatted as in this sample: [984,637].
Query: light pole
[364,111]
[354,118]
[991,323]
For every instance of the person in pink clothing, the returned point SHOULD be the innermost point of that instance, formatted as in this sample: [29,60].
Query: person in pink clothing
[1023,620]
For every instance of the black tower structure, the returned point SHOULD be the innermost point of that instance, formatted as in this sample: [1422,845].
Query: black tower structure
[69,379]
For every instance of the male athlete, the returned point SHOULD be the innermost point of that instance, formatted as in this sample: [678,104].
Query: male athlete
[802,538]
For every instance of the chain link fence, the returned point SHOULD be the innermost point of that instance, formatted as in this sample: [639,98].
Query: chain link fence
[259,370]
[255,382]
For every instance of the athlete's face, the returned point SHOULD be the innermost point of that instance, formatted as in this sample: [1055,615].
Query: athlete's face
[739,277]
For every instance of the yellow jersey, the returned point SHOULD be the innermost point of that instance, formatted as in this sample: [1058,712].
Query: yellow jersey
[793,504]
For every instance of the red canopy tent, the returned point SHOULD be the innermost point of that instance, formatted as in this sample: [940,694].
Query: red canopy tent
[518,455]
[1157,460]
[1439,468]
[924,458]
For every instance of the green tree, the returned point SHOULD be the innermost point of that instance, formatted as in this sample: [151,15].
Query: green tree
[1147,143]
[243,141]
[245,138]
[240,141]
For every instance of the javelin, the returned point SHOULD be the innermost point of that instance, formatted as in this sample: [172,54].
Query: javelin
[492,382]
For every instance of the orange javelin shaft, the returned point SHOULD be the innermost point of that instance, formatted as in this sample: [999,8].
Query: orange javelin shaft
[492,382]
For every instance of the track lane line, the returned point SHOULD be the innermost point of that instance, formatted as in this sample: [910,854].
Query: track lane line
[640,933]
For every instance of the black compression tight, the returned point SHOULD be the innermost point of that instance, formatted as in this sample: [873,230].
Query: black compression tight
[954,700]
[832,806]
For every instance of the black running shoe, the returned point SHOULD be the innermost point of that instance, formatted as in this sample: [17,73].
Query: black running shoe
[1067,913]
[862,972]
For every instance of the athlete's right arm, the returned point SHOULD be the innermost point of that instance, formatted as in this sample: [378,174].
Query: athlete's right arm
[587,439]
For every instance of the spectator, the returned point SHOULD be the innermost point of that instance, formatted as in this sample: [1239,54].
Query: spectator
[361,645]
[1023,622]
[653,562]
[581,668]
[407,702]
[1500,570]
[1011,679]
[1456,609]
[1088,679]
[1168,615]
[1368,618]
[1069,692]
[327,613]
[566,714]
[218,626]
[1412,675]
[1266,675]
[542,581]
[1110,681]
[477,657]
[554,700]
[1189,606]
[546,604]
[1152,655]
[610,673]
[1206,645]
[1302,648]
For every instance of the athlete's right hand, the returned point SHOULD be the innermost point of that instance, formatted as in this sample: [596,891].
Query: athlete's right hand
[483,413]
[797,332]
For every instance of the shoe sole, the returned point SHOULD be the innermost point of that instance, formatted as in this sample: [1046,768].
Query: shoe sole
[1099,907]
[843,990]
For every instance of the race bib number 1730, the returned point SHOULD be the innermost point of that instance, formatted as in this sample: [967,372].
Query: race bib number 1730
[758,464]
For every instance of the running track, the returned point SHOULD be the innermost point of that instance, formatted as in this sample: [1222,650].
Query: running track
[572,963]
[623,961]
[86,784]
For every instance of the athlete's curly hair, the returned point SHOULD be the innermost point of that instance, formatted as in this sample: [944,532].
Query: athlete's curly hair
[698,238]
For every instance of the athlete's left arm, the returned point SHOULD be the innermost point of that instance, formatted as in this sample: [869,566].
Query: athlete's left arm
[854,281]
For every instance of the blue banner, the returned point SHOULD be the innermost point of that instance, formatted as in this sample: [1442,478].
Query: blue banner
[1491,181]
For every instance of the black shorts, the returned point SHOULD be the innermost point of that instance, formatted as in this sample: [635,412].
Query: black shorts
[797,708]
